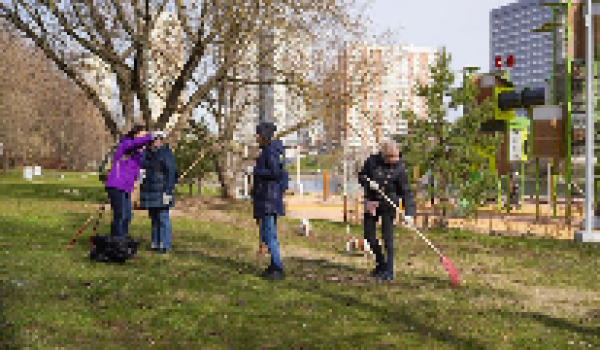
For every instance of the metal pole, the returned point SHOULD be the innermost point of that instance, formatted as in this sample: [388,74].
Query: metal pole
[509,168]
[298,169]
[537,165]
[588,234]
[554,98]
[549,185]
[568,126]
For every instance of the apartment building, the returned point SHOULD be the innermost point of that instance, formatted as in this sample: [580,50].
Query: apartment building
[383,76]
[289,106]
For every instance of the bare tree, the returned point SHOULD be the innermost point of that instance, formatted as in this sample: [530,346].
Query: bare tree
[44,118]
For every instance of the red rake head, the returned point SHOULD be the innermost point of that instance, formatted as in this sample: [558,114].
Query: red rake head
[449,265]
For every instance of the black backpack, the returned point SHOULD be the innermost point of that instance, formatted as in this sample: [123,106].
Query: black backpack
[113,249]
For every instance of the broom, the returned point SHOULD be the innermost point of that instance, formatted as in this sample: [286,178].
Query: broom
[448,264]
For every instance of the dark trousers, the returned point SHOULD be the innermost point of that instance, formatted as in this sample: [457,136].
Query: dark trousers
[120,203]
[387,228]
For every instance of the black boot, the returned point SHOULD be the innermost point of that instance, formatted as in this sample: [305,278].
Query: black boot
[273,273]
[378,270]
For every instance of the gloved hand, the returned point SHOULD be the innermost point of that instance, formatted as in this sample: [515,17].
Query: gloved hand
[374,185]
[408,220]
[159,135]
[167,199]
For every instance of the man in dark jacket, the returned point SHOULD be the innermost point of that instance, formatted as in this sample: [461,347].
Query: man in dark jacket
[386,169]
[156,191]
[267,193]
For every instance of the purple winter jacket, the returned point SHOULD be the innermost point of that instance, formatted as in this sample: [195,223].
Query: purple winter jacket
[123,173]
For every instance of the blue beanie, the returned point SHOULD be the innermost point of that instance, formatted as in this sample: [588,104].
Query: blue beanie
[266,130]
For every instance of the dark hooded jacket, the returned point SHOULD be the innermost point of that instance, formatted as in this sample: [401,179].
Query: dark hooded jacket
[392,179]
[160,177]
[267,191]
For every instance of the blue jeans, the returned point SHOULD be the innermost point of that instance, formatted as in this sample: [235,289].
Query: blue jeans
[161,227]
[268,235]
[120,204]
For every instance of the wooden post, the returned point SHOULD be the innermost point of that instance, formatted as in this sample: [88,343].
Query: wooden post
[356,204]
[5,158]
[345,207]
[199,184]
[325,185]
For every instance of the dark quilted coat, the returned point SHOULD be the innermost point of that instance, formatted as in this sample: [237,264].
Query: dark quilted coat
[159,164]
[267,192]
[393,179]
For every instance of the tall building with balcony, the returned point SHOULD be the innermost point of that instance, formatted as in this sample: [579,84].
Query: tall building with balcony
[386,76]
[291,54]
[511,34]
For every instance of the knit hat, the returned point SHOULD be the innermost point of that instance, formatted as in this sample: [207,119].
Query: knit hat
[266,130]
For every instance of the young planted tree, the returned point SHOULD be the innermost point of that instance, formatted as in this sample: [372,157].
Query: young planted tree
[452,151]
[194,141]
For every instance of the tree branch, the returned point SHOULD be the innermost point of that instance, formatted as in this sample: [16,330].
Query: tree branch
[43,45]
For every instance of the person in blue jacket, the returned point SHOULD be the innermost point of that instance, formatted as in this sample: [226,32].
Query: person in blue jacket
[123,173]
[156,191]
[267,194]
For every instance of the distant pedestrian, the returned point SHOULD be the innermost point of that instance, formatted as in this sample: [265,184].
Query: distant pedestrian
[269,183]
[123,173]
[386,168]
[514,190]
[156,191]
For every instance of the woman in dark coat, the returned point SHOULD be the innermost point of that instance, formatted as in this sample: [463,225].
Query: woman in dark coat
[156,191]
[267,193]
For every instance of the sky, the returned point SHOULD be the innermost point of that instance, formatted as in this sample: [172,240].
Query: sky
[460,25]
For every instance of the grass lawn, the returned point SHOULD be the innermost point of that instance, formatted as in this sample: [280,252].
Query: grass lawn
[516,293]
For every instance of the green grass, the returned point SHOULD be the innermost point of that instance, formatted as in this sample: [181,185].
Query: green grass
[206,295]
[313,163]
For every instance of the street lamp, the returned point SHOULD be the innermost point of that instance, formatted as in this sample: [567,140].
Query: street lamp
[588,234]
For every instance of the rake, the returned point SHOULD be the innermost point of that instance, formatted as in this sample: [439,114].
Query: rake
[104,204]
[447,263]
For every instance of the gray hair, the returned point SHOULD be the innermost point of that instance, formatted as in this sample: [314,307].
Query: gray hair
[390,147]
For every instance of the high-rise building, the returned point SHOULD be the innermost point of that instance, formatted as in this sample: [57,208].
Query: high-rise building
[389,74]
[291,54]
[511,34]
[165,61]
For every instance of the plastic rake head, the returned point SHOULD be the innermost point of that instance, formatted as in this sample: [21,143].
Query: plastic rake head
[452,271]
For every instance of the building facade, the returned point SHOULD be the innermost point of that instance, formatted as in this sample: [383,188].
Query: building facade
[288,104]
[385,76]
[165,63]
[511,34]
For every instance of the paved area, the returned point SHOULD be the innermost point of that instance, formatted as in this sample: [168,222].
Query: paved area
[489,220]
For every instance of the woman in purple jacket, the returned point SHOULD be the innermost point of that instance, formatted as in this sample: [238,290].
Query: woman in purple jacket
[124,171]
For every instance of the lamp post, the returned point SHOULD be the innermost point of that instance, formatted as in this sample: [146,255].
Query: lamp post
[588,234]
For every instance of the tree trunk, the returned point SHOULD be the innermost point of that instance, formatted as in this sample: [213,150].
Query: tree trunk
[221,169]
[199,184]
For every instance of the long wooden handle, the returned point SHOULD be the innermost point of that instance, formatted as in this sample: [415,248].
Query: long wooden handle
[375,187]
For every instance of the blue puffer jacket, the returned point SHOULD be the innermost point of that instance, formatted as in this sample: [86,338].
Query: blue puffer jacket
[267,192]
[159,164]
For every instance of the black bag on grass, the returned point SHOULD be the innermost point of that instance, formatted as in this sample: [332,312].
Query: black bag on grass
[113,249]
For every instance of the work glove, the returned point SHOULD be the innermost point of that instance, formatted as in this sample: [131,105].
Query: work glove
[159,135]
[167,199]
[374,185]
[408,220]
